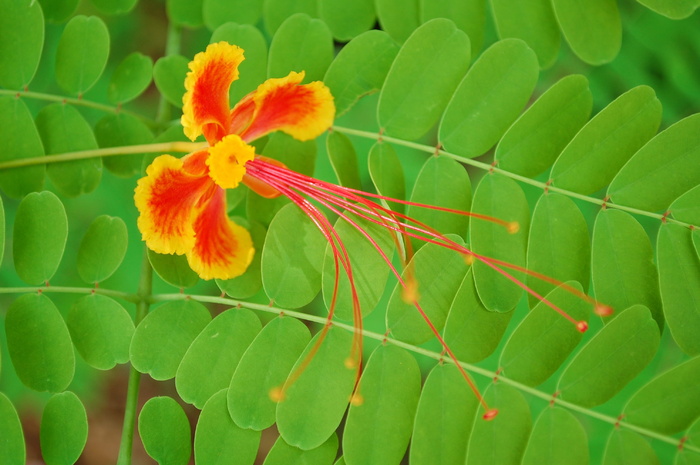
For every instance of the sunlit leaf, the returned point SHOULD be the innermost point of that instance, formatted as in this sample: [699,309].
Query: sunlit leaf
[249,283]
[685,456]
[2,229]
[627,447]
[82,54]
[296,155]
[675,9]
[275,12]
[347,18]
[387,174]
[218,12]
[398,17]
[21,41]
[468,15]
[687,207]
[557,437]
[118,130]
[12,447]
[64,429]
[173,269]
[102,249]
[167,445]
[343,158]
[284,454]
[169,75]
[131,78]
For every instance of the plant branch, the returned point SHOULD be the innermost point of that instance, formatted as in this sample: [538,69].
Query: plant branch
[71,290]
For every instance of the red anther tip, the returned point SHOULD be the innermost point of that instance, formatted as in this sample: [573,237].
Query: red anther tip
[357,399]
[469,259]
[276,394]
[490,415]
[582,326]
[603,310]
[350,363]
[513,227]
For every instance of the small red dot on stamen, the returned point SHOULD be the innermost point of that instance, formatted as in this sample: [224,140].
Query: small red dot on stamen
[582,326]
[490,415]
[603,310]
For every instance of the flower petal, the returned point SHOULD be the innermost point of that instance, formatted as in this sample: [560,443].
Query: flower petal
[223,249]
[206,108]
[167,199]
[227,161]
[302,111]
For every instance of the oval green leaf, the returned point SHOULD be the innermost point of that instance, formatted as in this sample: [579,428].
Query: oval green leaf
[119,130]
[611,359]
[64,429]
[499,197]
[414,94]
[21,42]
[534,141]
[249,283]
[674,9]
[557,437]
[210,361]
[687,207]
[82,54]
[284,454]
[163,337]
[343,158]
[489,98]
[101,330]
[218,12]
[187,13]
[398,17]
[39,344]
[468,15]
[114,7]
[390,387]
[171,444]
[347,18]
[131,78]
[291,263]
[217,439]
[679,283]
[315,402]
[666,167]
[12,447]
[275,12]
[169,75]
[626,446]
[301,44]
[102,249]
[296,155]
[607,141]
[39,237]
[173,269]
[387,174]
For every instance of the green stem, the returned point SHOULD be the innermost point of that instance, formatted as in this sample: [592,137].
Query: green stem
[72,290]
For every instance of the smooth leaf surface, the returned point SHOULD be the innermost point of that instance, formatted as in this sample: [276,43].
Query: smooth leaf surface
[249,283]
[173,269]
[538,136]
[131,78]
[347,18]
[39,344]
[468,15]
[611,358]
[82,54]
[218,12]
[120,130]
[343,158]
[296,155]
[210,361]
[167,445]
[187,13]
[284,454]
[398,17]
[387,174]
[39,237]
[101,330]
[163,337]
[627,447]
[489,98]
[58,11]
[390,387]
[2,229]
[677,9]
[414,95]
[557,437]
[21,42]
[102,249]
[687,207]
[64,429]
[607,141]
[12,447]
[114,7]
[169,75]
[275,12]
[265,366]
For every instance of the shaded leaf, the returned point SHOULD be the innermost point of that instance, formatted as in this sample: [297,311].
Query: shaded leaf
[387,174]
[398,17]
[296,155]
[21,41]
[218,12]
[102,249]
[114,7]
[131,78]
[169,75]
[347,18]
[626,447]
[12,447]
[2,229]
[343,158]
[64,429]
[186,13]
[468,15]
[118,130]
[284,454]
[171,445]
[275,12]
[677,9]
[58,11]
[557,437]
[249,283]
[82,54]
[173,269]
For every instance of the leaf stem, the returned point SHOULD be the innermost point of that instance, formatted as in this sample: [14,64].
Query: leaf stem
[71,290]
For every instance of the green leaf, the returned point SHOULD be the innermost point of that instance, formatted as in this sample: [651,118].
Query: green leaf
[499,197]
[218,12]
[390,387]
[489,98]
[2,229]
[666,167]
[301,44]
[532,22]
[343,158]
[369,269]
[63,129]
[131,78]
[627,447]
[387,174]
[622,266]
[82,54]
[39,237]
[685,456]
[12,447]
[168,445]
[173,269]
[64,429]
[58,11]
[503,439]
[559,245]
[19,139]
[611,359]
[315,402]
[398,17]
[687,207]
[169,75]
[210,361]
[544,338]
[39,343]
[253,70]
[163,337]
[679,283]
[434,275]
[670,402]
[275,12]
[471,331]
[120,130]
[442,182]
[291,263]
[101,330]
[592,29]
[360,68]
[284,454]
[217,439]
[249,283]
[347,18]
[538,136]
[265,366]
[114,7]
[468,15]
[263,210]
[440,427]
[187,13]
[21,42]
[676,9]
[296,155]
[415,93]
[102,249]
[557,437]
[607,141]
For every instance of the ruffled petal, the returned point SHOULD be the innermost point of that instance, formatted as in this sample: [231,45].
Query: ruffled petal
[227,161]
[206,108]
[302,111]
[168,198]
[222,249]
